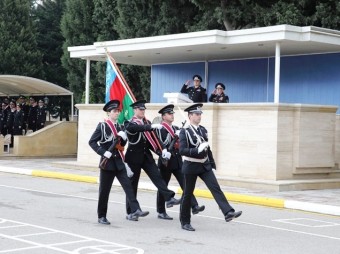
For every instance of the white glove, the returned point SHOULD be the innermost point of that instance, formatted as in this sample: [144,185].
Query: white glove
[122,134]
[128,170]
[166,154]
[177,132]
[107,154]
[156,126]
[203,146]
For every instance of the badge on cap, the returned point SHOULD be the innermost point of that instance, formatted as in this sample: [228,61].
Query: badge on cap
[167,109]
[139,104]
[196,108]
[113,104]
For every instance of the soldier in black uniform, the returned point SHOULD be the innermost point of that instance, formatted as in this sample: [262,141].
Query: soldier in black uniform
[10,119]
[25,109]
[2,119]
[198,161]
[18,121]
[32,115]
[41,115]
[5,111]
[168,136]
[138,154]
[218,94]
[196,93]
[101,140]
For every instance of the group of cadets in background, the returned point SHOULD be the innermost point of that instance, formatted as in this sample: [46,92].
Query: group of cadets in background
[18,116]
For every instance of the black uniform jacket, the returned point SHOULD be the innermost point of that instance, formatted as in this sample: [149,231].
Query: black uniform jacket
[18,122]
[189,148]
[198,94]
[175,161]
[115,162]
[139,147]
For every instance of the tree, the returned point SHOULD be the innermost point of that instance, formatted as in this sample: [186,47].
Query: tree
[142,18]
[50,40]
[104,18]
[77,30]
[19,53]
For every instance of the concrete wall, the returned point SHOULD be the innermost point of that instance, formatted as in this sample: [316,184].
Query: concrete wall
[57,139]
[252,142]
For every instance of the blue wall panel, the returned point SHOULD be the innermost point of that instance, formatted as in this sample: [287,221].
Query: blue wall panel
[245,80]
[309,79]
[171,77]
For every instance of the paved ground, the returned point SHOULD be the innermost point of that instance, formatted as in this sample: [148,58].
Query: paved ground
[320,201]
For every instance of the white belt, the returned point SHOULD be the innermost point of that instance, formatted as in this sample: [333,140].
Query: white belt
[194,159]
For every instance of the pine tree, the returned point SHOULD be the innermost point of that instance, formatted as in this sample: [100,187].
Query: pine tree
[18,53]
[50,40]
[77,30]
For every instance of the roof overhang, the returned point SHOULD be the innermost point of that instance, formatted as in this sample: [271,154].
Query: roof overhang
[12,85]
[214,45]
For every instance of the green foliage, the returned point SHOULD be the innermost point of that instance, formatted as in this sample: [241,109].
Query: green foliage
[77,29]
[19,53]
[50,40]
[34,37]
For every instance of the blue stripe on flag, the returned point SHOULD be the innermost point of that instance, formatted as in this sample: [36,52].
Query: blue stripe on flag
[110,77]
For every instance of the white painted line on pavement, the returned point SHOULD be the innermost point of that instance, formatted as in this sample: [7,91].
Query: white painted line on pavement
[312,207]
[307,222]
[89,243]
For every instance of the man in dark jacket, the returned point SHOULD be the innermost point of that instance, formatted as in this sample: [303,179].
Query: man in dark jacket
[41,115]
[196,93]
[198,161]
[168,136]
[101,141]
[218,95]
[138,154]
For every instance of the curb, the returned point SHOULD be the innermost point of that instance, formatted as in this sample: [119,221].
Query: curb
[240,198]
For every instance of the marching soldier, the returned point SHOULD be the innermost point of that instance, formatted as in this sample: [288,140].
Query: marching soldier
[196,93]
[138,154]
[101,140]
[198,161]
[168,136]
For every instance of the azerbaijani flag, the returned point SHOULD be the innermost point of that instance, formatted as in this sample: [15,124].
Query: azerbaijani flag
[117,89]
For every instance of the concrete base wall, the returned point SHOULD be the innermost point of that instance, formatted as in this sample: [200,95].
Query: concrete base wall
[253,143]
[57,139]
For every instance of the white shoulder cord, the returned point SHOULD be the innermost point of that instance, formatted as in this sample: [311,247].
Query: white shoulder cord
[199,139]
[104,138]
[132,134]
[167,139]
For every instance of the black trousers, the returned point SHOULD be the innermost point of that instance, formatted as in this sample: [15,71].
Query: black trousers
[210,180]
[152,171]
[106,180]
[166,174]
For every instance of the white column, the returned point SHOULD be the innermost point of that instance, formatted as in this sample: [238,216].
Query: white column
[277,73]
[72,107]
[206,74]
[87,81]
